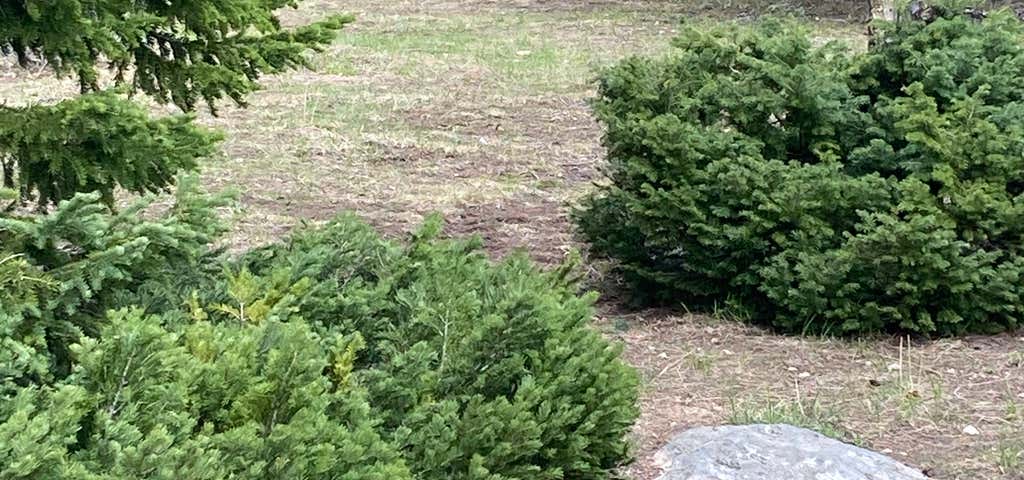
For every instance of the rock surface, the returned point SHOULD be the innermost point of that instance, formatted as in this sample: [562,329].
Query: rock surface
[772,452]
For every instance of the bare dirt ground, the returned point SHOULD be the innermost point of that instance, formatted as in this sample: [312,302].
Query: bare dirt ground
[478,109]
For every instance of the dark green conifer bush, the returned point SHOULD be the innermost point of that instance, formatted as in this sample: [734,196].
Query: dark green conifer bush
[478,370]
[132,347]
[817,190]
[206,401]
[96,143]
[333,355]
[65,269]
[110,369]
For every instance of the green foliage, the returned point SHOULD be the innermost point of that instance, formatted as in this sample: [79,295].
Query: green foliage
[819,191]
[67,268]
[175,52]
[95,143]
[480,371]
[212,402]
[132,350]
[180,52]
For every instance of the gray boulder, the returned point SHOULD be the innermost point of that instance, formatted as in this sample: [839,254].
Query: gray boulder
[772,452]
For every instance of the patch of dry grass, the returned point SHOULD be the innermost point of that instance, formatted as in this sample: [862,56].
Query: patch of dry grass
[950,407]
[477,111]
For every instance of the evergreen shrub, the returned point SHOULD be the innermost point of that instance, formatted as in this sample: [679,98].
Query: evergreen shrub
[133,347]
[479,370]
[134,350]
[818,190]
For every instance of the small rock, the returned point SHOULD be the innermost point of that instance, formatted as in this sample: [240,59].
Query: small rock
[971,430]
[772,452]
[804,374]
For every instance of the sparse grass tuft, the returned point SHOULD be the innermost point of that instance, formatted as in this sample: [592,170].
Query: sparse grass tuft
[702,361]
[1017,359]
[811,414]
[1010,456]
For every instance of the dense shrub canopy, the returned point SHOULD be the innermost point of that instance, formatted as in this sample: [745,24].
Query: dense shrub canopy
[818,190]
[132,349]
[480,371]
